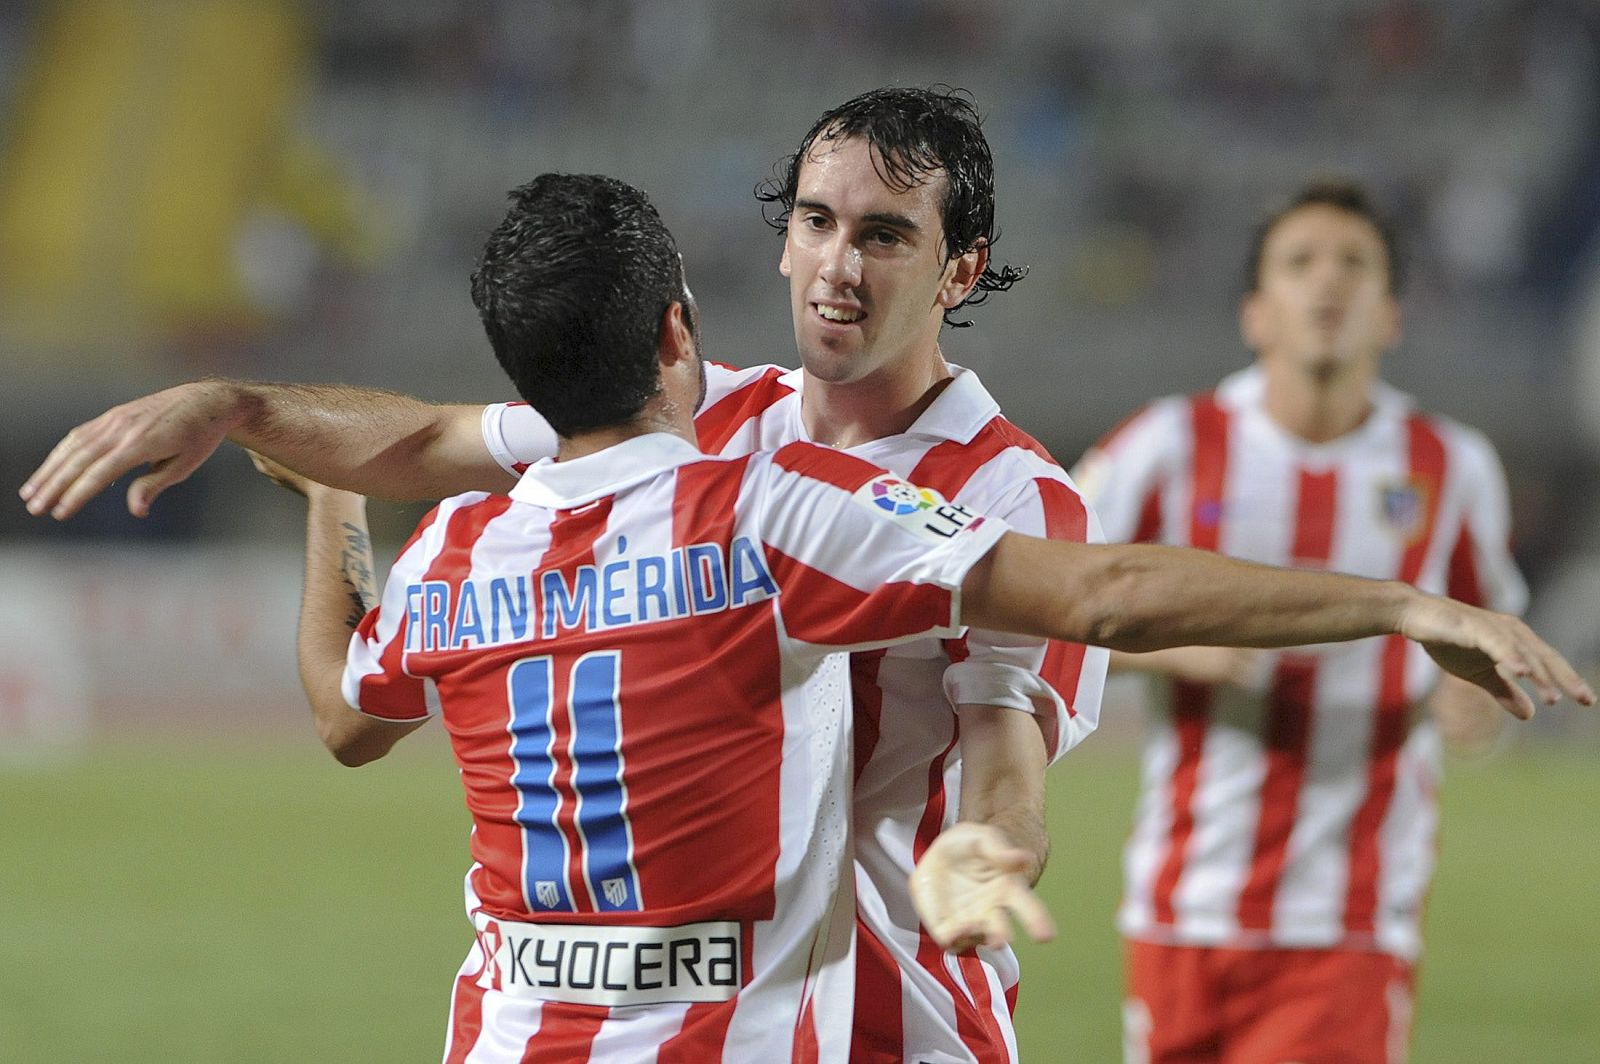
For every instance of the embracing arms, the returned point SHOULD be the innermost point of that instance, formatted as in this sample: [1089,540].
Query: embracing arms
[340,587]
[1140,598]
[376,442]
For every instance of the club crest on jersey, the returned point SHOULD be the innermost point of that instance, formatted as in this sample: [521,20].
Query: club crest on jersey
[918,510]
[616,891]
[1404,506]
[547,894]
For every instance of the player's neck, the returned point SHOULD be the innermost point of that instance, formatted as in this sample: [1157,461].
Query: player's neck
[652,420]
[884,404]
[1317,407]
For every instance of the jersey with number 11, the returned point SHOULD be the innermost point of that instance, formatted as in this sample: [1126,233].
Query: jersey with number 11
[635,656]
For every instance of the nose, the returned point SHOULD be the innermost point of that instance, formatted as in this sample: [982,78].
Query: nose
[841,264]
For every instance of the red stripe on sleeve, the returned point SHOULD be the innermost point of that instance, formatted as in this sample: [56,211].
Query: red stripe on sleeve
[1427,462]
[392,693]
[1066,519]
[717,423]
[422,526]
[820,609]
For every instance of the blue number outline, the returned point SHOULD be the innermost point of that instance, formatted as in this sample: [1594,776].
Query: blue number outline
[593,710]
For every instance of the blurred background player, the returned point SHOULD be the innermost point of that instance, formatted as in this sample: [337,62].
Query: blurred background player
[888,212]
[1287,823]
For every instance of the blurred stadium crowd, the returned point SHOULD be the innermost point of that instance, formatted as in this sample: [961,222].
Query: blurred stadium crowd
[291,190]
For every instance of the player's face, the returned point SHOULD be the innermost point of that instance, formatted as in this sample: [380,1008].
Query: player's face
[1323,303]
[866,266]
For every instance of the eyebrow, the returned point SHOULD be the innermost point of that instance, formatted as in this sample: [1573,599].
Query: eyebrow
[899,221]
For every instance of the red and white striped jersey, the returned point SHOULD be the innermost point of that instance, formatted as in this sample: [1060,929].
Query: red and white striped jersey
[915,1001]
[635,657]
[1303,811]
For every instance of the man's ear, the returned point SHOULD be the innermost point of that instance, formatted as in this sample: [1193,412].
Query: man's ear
[676,339]
[963,273]
[1252,322]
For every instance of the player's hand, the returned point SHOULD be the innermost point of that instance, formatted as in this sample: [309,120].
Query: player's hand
[971,884]
[172,431]
[281,474]
[1494,651]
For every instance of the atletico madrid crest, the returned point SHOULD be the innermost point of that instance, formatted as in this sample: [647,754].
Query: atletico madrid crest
[616,891]
[1404,507]
[547,894]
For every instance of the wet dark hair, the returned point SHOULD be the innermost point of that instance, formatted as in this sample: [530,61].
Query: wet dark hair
[915,134]
[1341,194]
[571,288]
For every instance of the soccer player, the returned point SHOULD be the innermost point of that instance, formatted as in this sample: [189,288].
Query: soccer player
[888,211]
[634,654]
[1286,827]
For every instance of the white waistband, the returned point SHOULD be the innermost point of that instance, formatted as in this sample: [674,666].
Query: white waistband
[590,964]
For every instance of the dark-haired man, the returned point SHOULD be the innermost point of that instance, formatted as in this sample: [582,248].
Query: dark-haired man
[888,213]
[1287,826]
[634,653]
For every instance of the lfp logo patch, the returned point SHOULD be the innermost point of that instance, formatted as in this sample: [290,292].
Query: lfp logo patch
[919,511]
[895,496]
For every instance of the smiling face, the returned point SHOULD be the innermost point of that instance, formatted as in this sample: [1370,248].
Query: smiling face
[868,280]
[1323,302]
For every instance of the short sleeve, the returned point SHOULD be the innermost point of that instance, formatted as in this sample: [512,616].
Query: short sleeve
[1481,569]
[1123,475]
[375,681]
[516,436]
[1059,683]
[862,558]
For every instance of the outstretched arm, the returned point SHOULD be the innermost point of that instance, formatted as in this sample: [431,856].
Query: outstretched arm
[375,442]
[1140,598]
[976,877]
[341,588]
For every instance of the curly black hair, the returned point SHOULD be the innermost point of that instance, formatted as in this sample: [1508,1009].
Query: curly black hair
[571,288]
[915,133]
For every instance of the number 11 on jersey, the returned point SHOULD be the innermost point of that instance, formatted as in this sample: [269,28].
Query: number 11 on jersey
[572,805]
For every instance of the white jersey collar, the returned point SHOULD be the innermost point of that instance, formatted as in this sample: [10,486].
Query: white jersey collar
[564,485]
[1245,392]
[959,413]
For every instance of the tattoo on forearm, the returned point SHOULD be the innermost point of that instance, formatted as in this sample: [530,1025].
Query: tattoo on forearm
[355,564]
